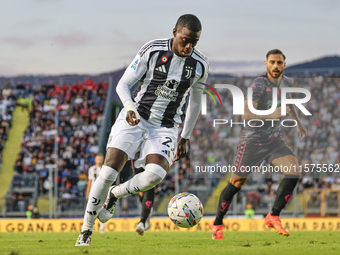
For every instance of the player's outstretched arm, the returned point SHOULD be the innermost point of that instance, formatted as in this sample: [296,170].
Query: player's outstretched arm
[124,93]
[192,113]
[132,74]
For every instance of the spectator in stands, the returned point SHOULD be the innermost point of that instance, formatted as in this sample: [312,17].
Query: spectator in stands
[307,180]
[29,212]
[20,89]
[10,199]
[249,212]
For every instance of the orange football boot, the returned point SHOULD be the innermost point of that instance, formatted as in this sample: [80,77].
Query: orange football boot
[275,223]
[217,231]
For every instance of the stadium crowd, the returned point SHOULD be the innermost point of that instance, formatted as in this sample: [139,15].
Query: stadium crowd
[79,110]
[217,146]
[8,101]
[10,97]
[80,113]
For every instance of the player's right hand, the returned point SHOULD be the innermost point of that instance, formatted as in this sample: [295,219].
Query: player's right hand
[131,118]
[182,148]
[277,113]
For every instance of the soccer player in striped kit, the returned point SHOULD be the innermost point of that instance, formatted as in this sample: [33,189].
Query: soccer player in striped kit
[167,70]
[92,176]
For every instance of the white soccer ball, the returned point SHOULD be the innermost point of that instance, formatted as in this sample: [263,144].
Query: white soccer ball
[185,210]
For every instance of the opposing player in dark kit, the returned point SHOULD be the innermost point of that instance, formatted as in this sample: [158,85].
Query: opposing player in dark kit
[264,143]
[147,199]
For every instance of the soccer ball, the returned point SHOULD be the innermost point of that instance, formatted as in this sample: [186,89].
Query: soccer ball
[185,210]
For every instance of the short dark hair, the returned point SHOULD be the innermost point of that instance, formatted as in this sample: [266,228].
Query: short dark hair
[275,51]
[189,21]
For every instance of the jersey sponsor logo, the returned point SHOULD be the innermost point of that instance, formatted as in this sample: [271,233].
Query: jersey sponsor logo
[172,84]
[188,72]
[165,92]
[135,64]
[161,69]
[164,59]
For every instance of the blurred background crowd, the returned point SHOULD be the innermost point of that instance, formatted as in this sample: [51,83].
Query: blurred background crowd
[64,128]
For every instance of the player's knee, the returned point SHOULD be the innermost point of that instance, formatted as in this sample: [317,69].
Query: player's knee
[108,173]
[156,173]
[115,159]
[237,182]
[292,174]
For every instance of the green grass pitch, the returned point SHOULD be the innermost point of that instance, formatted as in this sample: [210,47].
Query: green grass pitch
[322,242]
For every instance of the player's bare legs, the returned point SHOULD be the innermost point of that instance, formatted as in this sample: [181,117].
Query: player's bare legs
[284,191]
[115,158]
[159,160]
[234,186]
[289,161]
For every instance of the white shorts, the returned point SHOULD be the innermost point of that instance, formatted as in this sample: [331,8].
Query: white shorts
[145,137]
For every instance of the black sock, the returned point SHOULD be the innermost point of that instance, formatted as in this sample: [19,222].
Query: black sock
[225,200]
[137,171]
[284,193]
[147,204]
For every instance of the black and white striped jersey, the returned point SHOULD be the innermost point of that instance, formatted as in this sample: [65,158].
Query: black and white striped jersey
[164,81]
[93,173]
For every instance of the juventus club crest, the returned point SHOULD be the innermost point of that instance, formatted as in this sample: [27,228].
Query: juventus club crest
[188,72]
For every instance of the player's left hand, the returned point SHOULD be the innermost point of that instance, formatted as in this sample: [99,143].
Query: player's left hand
[302,131]
[182,148]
